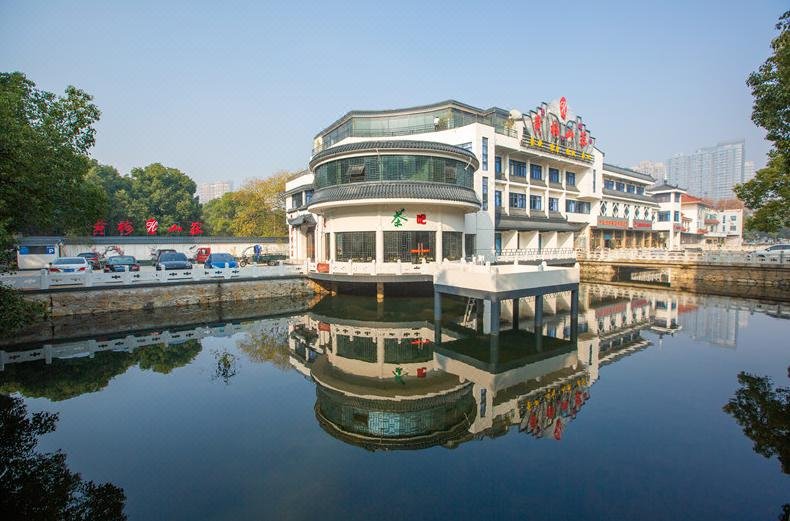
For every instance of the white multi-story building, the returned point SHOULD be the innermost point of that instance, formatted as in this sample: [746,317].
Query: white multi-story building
[447,181]
[208,191]
[709,172]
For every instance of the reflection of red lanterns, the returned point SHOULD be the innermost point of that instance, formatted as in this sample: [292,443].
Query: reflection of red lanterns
[558,430]
[550,411]
[323,326]
[421,372]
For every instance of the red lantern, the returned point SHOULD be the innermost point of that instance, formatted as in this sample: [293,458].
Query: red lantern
[563,108]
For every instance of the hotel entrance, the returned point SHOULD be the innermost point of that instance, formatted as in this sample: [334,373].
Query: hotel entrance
[409,246]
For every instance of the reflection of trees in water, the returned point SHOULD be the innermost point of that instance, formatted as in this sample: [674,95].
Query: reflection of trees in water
[40,486]
[764,413]
[67,378]
[268,343]
[227,366]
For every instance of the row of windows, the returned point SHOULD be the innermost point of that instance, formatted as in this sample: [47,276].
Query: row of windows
[519,169]
[639,211]
[666,198]
[623,187]
[300,198]
[394,168]
[404,246]
[518,200]
[666,216]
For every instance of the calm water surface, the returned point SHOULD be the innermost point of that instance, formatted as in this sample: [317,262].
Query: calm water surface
[349,411]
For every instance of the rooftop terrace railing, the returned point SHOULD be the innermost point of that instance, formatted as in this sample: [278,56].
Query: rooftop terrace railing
[708,257]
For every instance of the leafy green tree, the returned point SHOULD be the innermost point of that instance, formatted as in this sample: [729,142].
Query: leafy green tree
[219,214]
[40,486]
[117,189]
[764,413]
[16,312]
[769,192]
[44,144]
[261,211]
[164,193]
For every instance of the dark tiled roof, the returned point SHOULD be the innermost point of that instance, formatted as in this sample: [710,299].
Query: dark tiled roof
[664,187]
[627,171]
[395,190]
[524,223]
[398,144]
[626,195]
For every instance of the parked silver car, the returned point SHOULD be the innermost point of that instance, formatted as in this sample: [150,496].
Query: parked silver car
[70,265]
[774,252]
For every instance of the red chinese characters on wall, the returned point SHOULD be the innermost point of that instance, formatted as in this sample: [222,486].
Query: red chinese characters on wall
[175,228]
[151,226]
[196,228]
[125,228]
[99,227]
[421,218]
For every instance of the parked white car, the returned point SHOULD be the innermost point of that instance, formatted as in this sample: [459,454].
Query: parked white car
[70,265]
[774,252]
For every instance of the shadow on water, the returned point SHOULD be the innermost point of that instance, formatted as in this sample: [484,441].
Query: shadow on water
[39,486]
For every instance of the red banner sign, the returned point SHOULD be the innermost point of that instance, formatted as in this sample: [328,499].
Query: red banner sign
[612,222]
[642,225]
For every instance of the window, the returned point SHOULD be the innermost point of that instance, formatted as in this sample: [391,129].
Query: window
[631,189]
[615,209]
[663,217]
[572,206]
[356,246]
[570,179]
[497,165]
[608,184]
[518,200]
[498,199]
[498,242]
[603,208]
[662,198]
[677,217]
[451,245]
[733,217]
[296,200]
[536,172]
[485,193]
[626,210]
[620,187]
[518,168]
[733,227]
[485,154]
[554,204]
[308,196]
[554,176]
[535,202]
[409,246]
[469,244]
[595,175]
[640,190]
[677,197]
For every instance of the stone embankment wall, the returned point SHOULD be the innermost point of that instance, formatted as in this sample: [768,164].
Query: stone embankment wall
[769,282]
[63,302]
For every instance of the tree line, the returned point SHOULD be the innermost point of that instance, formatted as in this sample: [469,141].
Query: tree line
[49,185]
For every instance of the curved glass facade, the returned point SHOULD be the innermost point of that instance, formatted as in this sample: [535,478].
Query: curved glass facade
[394,168]
[441,118]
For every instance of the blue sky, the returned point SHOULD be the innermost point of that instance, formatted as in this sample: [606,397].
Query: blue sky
[232,90]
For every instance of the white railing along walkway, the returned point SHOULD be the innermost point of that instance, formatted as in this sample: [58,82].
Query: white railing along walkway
[374,268]
[43,279]
[706,257]
[533,254]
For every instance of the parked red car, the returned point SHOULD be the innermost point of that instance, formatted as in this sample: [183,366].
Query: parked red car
[93,259]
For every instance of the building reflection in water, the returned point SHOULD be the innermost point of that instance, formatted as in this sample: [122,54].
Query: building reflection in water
[381,383]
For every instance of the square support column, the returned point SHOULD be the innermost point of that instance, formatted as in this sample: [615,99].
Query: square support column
[575,314]
[515,314]
[437,318]
[494,328]
[539,314]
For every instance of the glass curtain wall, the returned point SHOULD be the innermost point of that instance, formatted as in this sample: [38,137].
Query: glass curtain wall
[451,245]
[394,168]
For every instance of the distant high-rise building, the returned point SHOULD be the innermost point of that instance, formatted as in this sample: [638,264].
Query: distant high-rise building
[209,191]
[656,169]
[748,171]
[709,172]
